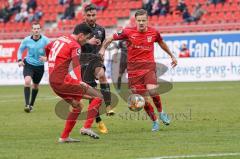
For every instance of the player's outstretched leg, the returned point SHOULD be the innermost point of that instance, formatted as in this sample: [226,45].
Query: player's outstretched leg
[100,124]
[150,111]
[152,89]
[102,127]
[27,91]
[105,89]
[162,115]
[34,95]
[70,123]
[93,110]
[67,140]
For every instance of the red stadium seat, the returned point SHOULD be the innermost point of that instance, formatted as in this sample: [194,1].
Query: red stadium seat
[60,8]
[211,8]
[77,2]
[219,17]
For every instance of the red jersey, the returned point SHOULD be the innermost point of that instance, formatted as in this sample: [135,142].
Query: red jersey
[140,48]
[63,55]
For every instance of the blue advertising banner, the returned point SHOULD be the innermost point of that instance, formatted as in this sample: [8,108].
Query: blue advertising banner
[203,45]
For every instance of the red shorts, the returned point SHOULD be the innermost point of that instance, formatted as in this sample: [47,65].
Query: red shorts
[70,89]
[138,83]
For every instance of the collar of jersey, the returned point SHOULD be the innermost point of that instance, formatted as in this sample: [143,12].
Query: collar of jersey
[36,39]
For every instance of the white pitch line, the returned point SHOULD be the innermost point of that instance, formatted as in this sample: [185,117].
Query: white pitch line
[195,156]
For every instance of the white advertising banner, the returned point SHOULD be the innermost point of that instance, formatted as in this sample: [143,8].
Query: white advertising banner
[187,70]
[203,69]
[11,74]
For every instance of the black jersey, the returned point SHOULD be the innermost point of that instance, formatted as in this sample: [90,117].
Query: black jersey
[123,46]
[90,52]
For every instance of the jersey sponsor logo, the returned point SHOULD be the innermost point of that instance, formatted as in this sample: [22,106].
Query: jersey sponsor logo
[79,51]
[99,33]
[141,47]
[120,32]
[149,39]
[133,37]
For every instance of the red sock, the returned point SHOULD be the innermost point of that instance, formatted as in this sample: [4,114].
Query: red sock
[158,103]
[93,110]
[150,111]
[70,122]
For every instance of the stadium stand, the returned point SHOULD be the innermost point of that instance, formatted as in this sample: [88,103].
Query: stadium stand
[218,17]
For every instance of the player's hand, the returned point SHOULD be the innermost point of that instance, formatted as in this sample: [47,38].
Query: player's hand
[98,42]
[21,64]
[174,61]
[94,41]
[43,58]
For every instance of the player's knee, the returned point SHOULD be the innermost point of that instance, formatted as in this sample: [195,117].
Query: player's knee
[100,75]
[76,109]
[28,81]
[152,89]
[76,104]
[35,86]
[102,79]
[153,92]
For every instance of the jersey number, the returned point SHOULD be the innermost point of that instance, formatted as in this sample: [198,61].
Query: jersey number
[57,46]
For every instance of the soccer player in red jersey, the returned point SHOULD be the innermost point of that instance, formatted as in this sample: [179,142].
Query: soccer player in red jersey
[141,65]
[63,54]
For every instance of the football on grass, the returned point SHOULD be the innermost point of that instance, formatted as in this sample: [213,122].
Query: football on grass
[136,102]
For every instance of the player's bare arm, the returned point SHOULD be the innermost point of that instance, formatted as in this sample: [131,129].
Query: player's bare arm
[164,46]
[105,45]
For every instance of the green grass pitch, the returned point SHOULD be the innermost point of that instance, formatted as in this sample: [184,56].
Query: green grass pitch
[205,120]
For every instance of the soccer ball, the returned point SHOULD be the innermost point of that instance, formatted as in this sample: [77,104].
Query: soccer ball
[136,102]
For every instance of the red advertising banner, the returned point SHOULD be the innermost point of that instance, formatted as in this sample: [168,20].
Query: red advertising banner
[8,51]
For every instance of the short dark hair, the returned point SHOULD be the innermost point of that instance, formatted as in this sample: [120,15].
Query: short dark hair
[140,12]
[90,7]
[82,28]
[36,23]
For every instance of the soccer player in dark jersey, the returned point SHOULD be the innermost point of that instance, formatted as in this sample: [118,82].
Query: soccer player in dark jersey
[33,67]
[122,45]
[63,54]
[92,64]
[141,65]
